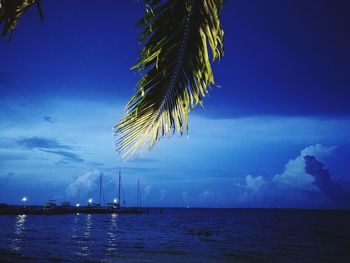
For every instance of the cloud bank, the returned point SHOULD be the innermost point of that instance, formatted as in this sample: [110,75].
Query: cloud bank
[294,175]
[323,180]
[305,180]
[41,143]
[51,146]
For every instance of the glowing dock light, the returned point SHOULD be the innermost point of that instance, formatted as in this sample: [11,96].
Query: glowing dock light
[115,200]
[24,199]
[77,205]
[90,201]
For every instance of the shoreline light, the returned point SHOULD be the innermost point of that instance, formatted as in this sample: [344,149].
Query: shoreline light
[24,199]
[77,205]
[90,201]
[115,200]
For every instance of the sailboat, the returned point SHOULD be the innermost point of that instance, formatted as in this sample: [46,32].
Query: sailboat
[122,208]
[50,207]
[117,206]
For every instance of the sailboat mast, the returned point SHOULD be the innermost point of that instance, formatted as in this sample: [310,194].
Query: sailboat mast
[138,193]
[100,187]
[119,187]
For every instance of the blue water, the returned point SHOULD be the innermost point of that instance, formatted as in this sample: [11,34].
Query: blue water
[179,235]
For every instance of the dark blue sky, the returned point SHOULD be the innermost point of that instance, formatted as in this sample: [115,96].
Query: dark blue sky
[284,92]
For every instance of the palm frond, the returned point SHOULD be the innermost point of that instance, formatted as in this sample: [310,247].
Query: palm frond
[12,10]
[177,71]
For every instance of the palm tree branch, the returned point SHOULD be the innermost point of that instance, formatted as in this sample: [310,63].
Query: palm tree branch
[177,72]
[12,10]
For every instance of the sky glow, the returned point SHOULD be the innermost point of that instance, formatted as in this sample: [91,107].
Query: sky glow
[284,95]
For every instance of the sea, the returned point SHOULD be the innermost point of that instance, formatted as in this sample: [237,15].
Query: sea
[179,235]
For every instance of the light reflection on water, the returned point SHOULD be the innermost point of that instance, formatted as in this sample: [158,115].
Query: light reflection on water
[83,234]
[87,227]
[180,235]
[19,236]
[75,235]
[112,245]
[84,240]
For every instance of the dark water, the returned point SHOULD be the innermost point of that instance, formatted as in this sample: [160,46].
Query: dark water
[179,235]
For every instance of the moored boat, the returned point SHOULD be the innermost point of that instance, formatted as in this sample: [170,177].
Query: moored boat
[51,208]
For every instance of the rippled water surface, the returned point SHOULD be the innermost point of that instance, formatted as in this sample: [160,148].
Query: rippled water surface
[179,235]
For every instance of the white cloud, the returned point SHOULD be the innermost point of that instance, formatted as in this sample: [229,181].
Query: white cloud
[294,175]
[254,188]
[318,150]
[254,183]
[85,182]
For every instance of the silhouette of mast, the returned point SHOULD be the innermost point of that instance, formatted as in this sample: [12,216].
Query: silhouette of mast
[78,196]
[119,188]
[138,202]
[100,188]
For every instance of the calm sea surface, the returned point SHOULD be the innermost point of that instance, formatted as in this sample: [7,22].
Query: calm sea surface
[179,235]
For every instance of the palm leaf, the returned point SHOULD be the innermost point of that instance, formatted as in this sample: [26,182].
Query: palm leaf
[12,10]
[176,71]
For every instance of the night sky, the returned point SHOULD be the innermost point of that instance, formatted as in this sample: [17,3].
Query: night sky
[274,134]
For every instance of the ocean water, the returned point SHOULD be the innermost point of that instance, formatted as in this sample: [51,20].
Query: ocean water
[179,235]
